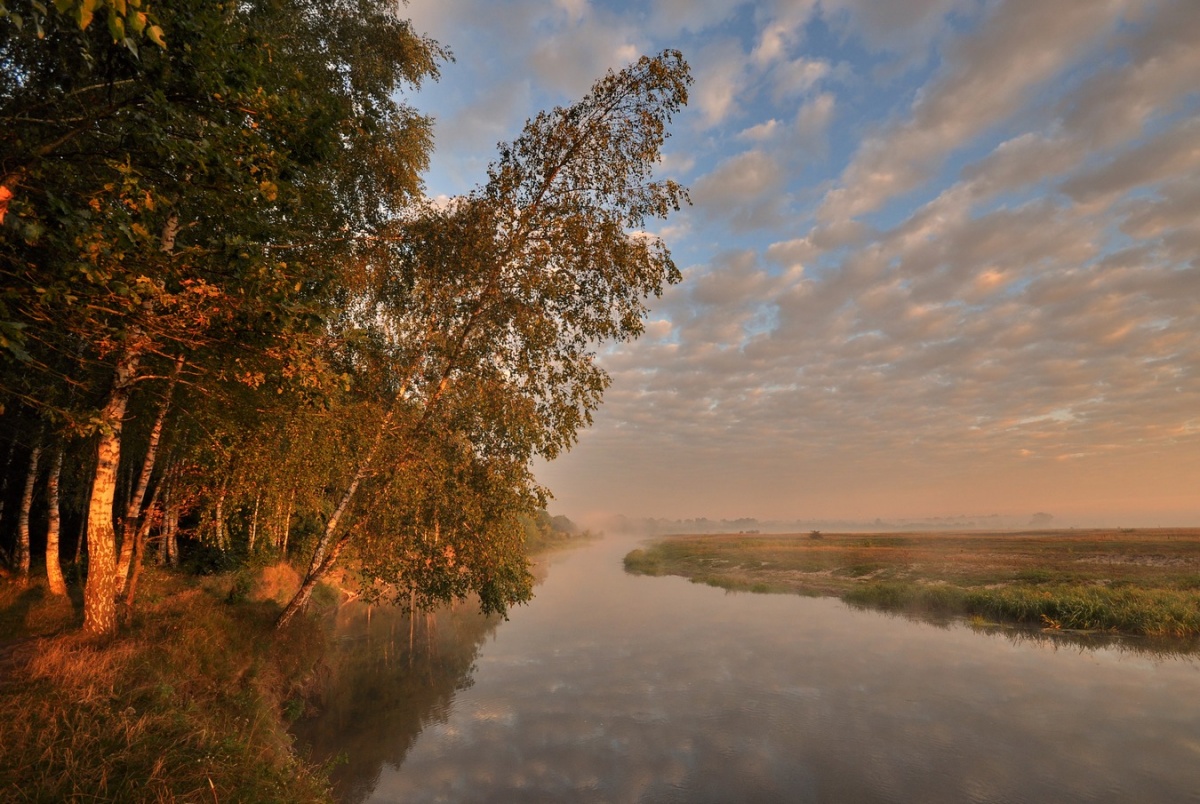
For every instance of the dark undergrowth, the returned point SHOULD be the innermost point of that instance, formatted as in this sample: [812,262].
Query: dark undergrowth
[189,703]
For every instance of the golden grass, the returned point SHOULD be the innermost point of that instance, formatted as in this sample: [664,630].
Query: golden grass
[185,706]
[1144,582]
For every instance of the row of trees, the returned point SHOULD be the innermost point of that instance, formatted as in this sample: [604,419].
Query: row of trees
[228,313]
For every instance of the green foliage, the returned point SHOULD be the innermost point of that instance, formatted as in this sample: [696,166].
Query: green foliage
[544,532]
[127,21]
[363,371]
[195,197]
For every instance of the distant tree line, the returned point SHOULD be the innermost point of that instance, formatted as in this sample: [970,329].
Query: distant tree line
[231,325]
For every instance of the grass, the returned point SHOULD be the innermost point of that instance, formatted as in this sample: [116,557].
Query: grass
[1138,582]
[188,704]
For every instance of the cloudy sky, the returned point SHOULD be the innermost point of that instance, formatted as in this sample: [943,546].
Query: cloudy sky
[943,256]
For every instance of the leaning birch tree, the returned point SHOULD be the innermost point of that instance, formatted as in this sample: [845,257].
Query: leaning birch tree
[477,323]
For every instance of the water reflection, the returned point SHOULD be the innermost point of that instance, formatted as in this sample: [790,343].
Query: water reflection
[611,687]
[391,675]
[1154,647]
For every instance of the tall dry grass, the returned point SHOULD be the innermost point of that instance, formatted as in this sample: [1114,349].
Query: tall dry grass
[187,705]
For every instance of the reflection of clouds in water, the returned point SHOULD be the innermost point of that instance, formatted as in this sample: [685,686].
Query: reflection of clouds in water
[610,687]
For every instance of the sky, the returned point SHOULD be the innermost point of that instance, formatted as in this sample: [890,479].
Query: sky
[943,256]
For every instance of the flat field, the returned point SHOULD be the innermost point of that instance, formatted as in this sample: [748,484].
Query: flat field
[1143,581]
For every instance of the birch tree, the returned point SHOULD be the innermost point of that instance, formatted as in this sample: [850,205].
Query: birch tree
[193,201]
[482,321]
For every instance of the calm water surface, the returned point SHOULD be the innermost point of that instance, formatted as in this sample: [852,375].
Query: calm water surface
[616,688]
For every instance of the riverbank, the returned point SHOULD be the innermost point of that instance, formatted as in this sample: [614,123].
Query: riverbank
[191,703]
[1138,582]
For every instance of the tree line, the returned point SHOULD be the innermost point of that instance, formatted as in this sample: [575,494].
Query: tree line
[232,325]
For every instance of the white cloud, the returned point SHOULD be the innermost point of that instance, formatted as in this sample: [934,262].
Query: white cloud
[812,121]
[576,51]
[720,76]
[1175,152]
[895,25]
[774,43]
[744,190]
[970,341]
[798,76]
[985,78]
[1164,66]
[668,18]
[763,131]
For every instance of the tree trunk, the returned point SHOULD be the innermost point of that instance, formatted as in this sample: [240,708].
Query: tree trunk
[136,573]
[4,489]
[219,521]
[80,538]
[164,535]
[139,552]
[287,525]
[54,576]
[321,561]
[300,601]
[173,542]
[100,593]
[171,531]
[254,524]
[133,508]
[22,556]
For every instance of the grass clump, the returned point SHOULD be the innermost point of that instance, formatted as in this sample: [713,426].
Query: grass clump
[1146,612]
[643,562]
[1127,610]
[187,705]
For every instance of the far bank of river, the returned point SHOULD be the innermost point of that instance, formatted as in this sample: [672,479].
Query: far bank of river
[615,687]
[1144,583]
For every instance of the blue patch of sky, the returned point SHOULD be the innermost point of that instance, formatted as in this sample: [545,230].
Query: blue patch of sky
[764,321]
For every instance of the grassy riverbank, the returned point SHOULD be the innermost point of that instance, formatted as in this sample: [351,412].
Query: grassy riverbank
[192,703]
[1143,582]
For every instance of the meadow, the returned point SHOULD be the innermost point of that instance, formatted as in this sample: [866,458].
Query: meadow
[1143,582]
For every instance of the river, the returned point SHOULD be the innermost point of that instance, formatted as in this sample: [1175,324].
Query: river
[609,687]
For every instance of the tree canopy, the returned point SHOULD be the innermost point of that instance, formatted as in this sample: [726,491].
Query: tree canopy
[227,304]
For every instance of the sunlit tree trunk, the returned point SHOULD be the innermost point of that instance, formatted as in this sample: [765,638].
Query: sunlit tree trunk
[287,524]
[137,498]
[173,540]
[54,576]
[100,593]
[22,556]
[254,523]
[170,532]
[327,550]
[80,538]
[325,554]
[219,521]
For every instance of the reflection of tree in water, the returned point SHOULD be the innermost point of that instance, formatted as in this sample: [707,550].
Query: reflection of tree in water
[392,675]
[1160,648]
